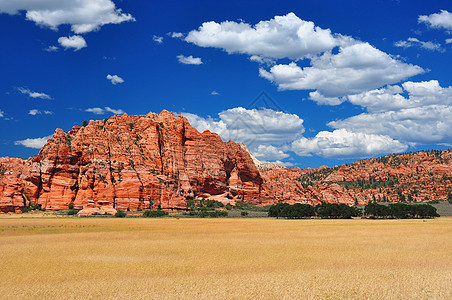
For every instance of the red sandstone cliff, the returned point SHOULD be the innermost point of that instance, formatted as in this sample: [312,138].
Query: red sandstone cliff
[413,177]
[138,162]
[130,162]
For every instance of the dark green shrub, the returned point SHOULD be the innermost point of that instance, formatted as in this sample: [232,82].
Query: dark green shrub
[154,213]
[375,210]
[400,211]
[26,209]
[336,211]
[276,209]
[217,213]
[120,214]
[204,203]
[71,206]
[244,213]
[32,207]
[296,211]
[208,214]
[72,212]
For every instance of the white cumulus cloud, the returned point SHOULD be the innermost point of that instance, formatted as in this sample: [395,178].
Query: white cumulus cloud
[32,94]
[83,15]
[189,60]
[438,20]
[36,143]
[418,125]
[414,42]
[51,49]
[35,112]
[337,65]
[115,111]
[280,37]
[421,118]
[252,127]
[76,42]
[354,69]
[115,79]
[448,41]
[269,153]
[176,35]
[101,111]
[390,98]
[343,143]
[157,39]
[95,110]
[2,114]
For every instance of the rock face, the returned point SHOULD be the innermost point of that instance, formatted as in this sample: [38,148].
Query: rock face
[142,162]
[131,162]
[412,177]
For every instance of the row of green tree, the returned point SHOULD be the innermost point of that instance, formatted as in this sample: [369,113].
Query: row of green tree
[400,211]
[343,211]
[324,210]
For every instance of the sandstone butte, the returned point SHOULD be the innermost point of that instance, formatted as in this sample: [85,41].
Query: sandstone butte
[142,162]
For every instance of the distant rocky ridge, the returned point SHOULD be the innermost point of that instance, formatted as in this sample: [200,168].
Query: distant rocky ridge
[142,162]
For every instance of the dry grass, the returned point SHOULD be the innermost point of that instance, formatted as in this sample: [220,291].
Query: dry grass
[225,258]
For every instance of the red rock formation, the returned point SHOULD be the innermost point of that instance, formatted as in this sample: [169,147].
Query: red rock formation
[130,162]
[418,176]
[139,162]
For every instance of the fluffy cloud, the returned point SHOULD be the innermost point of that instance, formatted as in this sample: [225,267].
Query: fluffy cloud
[51,49]
[280,37]
[83,15]
[33,94]
[390,98]
[115,79]
[101,111]
[270,134]
[339,65]
[322,100]
[114,111]
[438,20]
[253,127]
[35,112]
[262,60]
[189,60]
[269,153]
[95,110]
[414,42]
[342,143]
[214,93]
[2,113]
[418,125]
[157,39]
[354,69]
[36,143]
[448,41]
[76,41]
[420,118]
[176,35]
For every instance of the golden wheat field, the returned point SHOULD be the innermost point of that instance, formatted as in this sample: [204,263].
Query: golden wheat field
[89,258]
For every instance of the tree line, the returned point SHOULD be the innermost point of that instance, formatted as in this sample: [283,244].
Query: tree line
[343,211]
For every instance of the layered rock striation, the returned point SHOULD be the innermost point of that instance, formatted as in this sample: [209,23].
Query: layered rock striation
[134,162]
[141,162]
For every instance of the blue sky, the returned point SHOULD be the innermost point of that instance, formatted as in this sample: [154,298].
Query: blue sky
[302,83]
